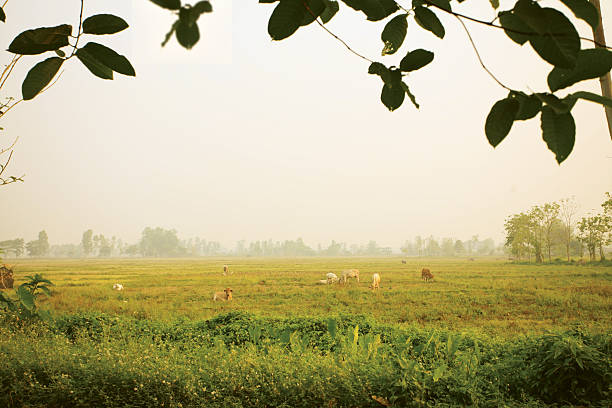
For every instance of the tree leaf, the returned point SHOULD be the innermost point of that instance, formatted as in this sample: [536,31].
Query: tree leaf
[39,40]
[514,27]
[494,4]
[429,21]
[39,76]
[331,8]
[591,63]
[416,59]
[168,4]
[559,132]
[410,95]
[584,10]
[500,120]
[286,19]
[25,296]
[393,93]
[530,105]
[110,58]
[375,10]
[203,7]
[316,8]
[104,24]
[187,35]
[394,33]
[60,53]
[589,96]
[93,65]
[2,15]
[556,39]
[382,71]
[169,33]
[443,4]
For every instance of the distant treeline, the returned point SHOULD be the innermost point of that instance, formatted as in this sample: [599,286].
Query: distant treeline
[555,230]
[160,242]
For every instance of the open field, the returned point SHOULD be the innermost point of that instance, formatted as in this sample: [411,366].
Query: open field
[491,296]
[484,333]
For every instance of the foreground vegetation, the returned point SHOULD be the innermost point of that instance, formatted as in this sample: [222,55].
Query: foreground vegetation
[484,333]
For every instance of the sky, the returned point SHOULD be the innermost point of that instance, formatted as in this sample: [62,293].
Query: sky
[248,138]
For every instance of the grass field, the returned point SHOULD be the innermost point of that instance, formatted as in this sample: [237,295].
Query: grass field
[488,295]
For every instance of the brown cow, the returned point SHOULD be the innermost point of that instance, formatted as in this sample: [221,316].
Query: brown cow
[6,277]
[225,295]
[404,261]
[426,274]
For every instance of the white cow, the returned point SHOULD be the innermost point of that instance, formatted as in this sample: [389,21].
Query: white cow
[332,278]
[118,286]
[350,273]
[375,282]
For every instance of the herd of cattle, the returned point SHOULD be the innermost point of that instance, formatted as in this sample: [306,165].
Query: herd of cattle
[331,278]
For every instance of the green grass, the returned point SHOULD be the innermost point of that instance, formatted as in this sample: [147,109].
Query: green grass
[487,295]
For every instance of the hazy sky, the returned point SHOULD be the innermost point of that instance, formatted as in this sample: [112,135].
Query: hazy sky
[246,138]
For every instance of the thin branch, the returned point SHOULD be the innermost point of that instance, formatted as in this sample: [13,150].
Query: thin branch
[490,24]
[5,165]
[10,147]
[12,65]
[79,32]
[10,107]
[5,1]
[9,65]
[343,42]
[478,55]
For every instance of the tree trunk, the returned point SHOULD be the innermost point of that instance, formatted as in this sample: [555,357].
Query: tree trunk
[606,84]
[602,256]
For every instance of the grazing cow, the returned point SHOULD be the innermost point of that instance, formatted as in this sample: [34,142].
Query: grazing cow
[225,295]
[350,273]
[332,278]
[375,282]
[6,277]
[118,286]
[225,270]
[426,274]
[323,282]
[404,261]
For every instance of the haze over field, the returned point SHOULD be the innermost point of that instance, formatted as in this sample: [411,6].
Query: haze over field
[245,138]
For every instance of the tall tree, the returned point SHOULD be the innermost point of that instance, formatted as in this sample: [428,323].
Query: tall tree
[550,216]
[87,243]
[567,211]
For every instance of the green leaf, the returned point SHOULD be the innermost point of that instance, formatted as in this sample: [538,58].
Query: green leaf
[514,27]
[382,71]
[187,35]
[591,63]
[168,4]
[429,21]
[332,327]
[331,8]
[584,10]
[416,59]
[410,95]
[530,105]
[375,10]
[169,33]
[25,296]
[500,120]
[110,58]
[589,96]
[45,290]
[286,19]
[316,8]
[60,53]
[559,132]
[93,65]
[104,24]
[557,40]
[393,93]
[494,4]
[443,4]
[39,40]
[40,76]
[394,33]
[203,7]
[2,15]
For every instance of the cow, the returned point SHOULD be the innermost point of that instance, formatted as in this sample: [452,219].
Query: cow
[426,274]
[118,286]
[331,278]
[350,273]
[404,261]
[375,282]
[226,270]
[225,295]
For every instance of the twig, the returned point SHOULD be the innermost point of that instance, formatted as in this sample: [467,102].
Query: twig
[12,65]
[79,32]
[490,24]
[10,147]
[478,55]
